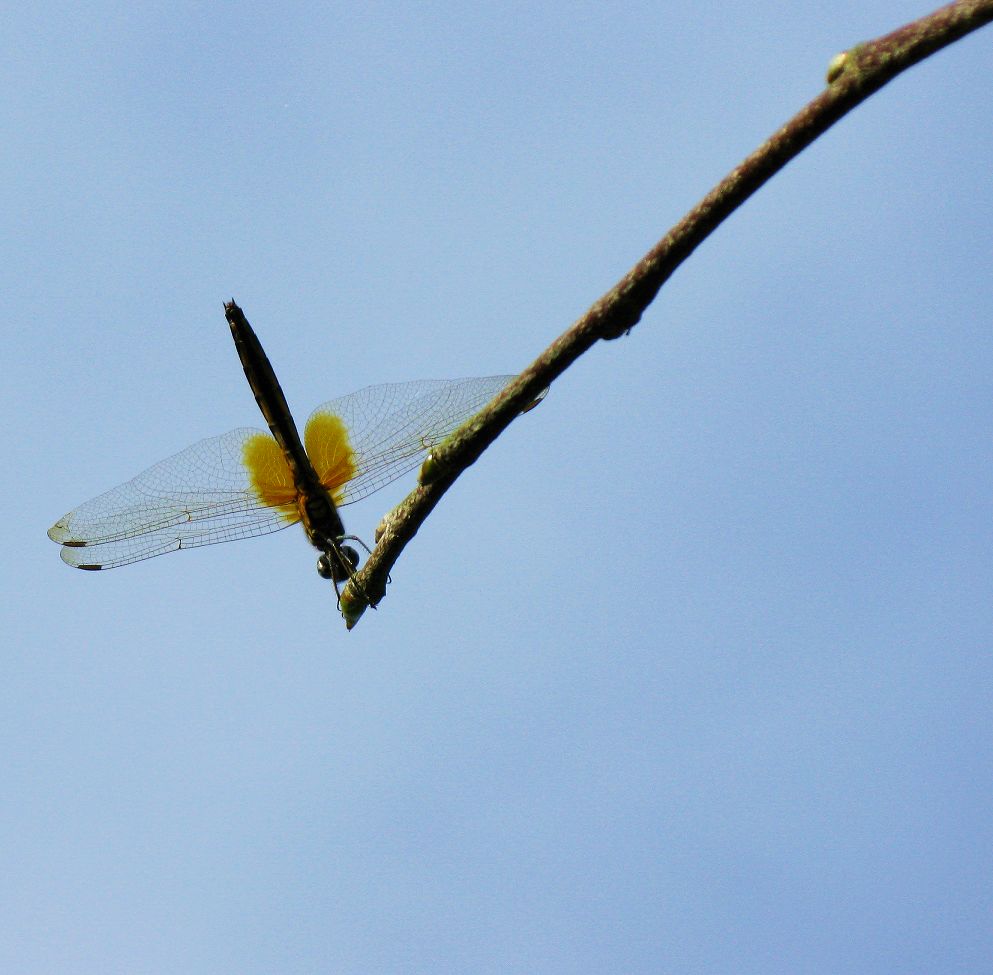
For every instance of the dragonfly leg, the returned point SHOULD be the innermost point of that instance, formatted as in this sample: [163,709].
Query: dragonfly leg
[355,538]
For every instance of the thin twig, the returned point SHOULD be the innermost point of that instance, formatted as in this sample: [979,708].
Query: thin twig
[852,77]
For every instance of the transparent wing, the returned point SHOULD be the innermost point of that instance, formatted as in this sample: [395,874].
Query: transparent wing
[392,426]
[204,494]
[197,497]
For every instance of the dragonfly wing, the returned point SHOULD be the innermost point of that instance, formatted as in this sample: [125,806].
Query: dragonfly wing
[392,426]
[197,497]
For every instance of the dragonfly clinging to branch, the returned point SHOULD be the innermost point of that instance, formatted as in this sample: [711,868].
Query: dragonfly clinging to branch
[248,482]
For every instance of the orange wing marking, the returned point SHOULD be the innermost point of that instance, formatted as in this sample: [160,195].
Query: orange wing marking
[330,452]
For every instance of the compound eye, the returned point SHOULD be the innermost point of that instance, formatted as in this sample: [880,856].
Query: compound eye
[351,559]
[338,564]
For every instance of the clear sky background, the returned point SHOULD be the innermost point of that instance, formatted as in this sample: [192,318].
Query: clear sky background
[691,673]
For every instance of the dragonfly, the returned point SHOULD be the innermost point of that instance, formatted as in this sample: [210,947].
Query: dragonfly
[248,482]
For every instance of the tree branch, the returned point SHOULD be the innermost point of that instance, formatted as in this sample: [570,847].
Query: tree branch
[852,77]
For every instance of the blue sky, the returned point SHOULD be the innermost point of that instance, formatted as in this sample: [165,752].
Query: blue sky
[692,671]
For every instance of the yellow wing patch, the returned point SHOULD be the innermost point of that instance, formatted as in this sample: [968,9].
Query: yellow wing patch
[269,475]
[330,451]
[327,445]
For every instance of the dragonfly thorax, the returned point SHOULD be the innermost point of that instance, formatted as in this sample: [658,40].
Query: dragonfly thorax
[320,518]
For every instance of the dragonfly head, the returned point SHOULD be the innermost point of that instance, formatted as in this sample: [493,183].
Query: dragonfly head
[338,563]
